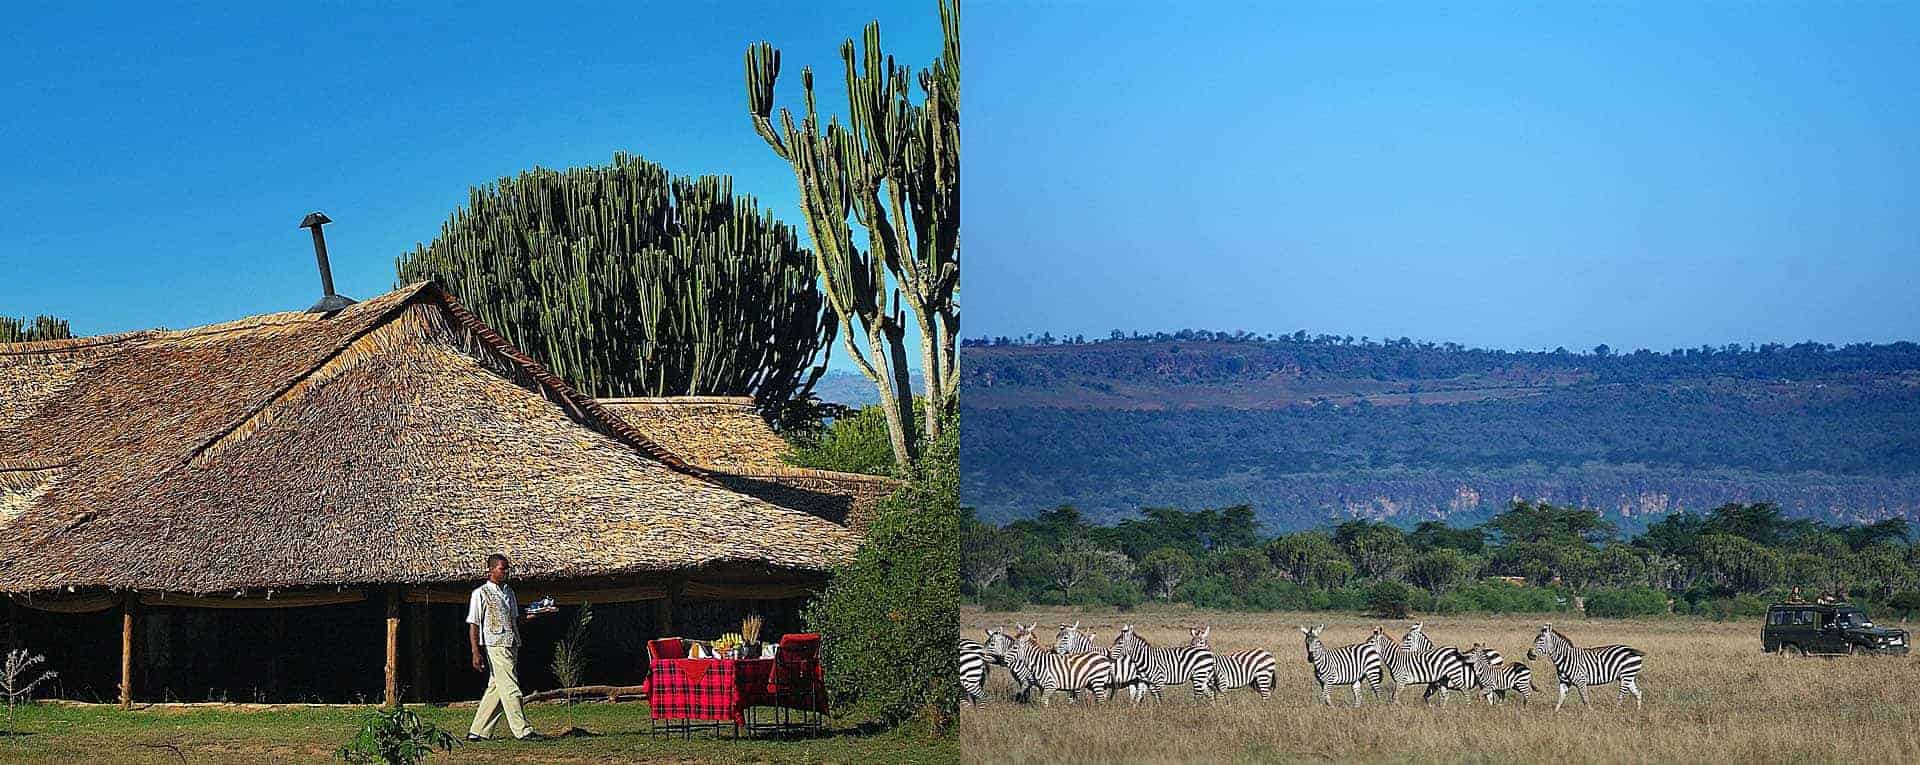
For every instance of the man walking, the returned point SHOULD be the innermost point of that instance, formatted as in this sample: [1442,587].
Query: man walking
[493,620]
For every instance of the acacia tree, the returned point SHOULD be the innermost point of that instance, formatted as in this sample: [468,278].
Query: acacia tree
[895,168]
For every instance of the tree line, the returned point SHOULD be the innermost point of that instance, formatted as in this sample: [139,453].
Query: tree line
[1204,355]
[1533,557]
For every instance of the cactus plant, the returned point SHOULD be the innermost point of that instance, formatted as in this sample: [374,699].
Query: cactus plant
[895,168]
[629,281]
[14,330]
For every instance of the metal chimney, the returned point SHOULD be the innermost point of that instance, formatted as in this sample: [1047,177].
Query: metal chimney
[331,302]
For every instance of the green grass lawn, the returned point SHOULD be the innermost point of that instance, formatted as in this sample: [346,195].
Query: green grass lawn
[66,735]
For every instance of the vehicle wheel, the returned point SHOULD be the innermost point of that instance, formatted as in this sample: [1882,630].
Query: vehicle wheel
[1793,649]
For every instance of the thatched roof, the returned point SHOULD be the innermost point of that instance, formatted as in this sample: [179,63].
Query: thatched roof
[396,440]
[723,433]
[726,436]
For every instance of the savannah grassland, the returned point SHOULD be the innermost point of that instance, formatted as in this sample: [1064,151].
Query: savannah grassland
[1711,696]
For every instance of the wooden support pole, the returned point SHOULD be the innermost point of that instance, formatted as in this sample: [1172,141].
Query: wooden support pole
[393,645]
[128,602]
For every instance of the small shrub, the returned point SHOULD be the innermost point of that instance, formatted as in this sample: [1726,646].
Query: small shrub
[1389,600]
[15,685]
[860,443]
[394,737]
[1002,598]
[1627,602]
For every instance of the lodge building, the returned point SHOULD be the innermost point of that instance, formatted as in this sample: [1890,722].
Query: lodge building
[292,507]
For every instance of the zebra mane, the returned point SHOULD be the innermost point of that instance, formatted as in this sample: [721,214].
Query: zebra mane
[1558,635]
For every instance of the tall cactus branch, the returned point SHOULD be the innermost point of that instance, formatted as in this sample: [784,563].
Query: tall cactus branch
[895,168]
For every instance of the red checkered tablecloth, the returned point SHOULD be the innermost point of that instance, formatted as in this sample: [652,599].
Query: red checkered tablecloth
[706,689]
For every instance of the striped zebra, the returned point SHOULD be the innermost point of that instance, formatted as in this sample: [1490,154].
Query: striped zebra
[1035,667]
[1137,678]
[1440,669]
[1072,640]
[1239,669]
[1126,672]
[973,671]
[1346,665]
[1581,667]
[1492,678]
[1417,639]
[1186,664]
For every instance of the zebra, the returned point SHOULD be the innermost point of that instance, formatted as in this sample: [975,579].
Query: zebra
[1440,669]
[998,646]
[973,671]
[1492,679]
[1033,666]
[1581,667]
[1238,669]
[1186,664]
[1136,677]
[1348,664]
[1417,639]
[1072,640]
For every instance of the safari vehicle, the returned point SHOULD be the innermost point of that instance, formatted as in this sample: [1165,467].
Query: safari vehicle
[1827,629]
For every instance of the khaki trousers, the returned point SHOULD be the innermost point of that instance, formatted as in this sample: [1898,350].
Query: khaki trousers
[503,695]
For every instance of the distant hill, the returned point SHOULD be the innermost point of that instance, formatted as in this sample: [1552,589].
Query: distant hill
[842,386]
[1312,429]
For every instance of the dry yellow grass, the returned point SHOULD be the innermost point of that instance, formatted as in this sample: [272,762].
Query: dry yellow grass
[1711,696]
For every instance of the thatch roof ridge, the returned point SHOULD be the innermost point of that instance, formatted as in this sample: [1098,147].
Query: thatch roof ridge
[741,401]
[71,344]
[357,447]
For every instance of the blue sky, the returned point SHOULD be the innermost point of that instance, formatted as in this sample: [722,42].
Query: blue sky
[1515,176]
[158,161]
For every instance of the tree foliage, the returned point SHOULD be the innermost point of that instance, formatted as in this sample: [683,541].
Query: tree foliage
[1207,558]
[887,618]
[629,281]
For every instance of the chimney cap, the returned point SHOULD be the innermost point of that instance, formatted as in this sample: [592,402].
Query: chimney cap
[315,218]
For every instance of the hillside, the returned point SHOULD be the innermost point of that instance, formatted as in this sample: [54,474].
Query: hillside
[1314,429]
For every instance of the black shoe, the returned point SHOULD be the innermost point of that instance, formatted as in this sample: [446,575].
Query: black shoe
[473,738]
[534,736]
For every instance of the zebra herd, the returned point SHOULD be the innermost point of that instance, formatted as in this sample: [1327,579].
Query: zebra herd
[1075,664]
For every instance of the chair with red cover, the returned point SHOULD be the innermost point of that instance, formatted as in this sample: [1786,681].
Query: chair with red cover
[661,648]
[797,682]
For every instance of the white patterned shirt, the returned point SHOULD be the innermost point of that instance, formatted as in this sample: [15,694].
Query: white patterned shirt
[493,608]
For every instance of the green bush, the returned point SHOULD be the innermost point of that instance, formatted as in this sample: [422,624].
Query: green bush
[887,618]
[1903,604]
[1627,602]
[1209,591]
[1738,607]
[856,444]
[1000,597]
[1274,594]
[393,737]
[1389,600]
